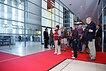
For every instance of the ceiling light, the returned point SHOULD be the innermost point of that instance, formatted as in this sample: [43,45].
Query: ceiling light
[81,6]
[70,4]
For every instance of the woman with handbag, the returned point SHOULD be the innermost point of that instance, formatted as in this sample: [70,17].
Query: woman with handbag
[57,42]
[51,39]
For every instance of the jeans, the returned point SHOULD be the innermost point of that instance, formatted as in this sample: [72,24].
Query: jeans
[74,45]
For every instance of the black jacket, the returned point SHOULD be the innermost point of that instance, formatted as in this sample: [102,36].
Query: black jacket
[46,37]
[91,35]
[75,35]
[64,34]
[99,33]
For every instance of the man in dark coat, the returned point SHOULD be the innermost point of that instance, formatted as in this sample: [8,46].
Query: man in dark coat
[91,38]
[98,38]
[46,37]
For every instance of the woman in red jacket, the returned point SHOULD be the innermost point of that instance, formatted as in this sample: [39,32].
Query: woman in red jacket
[57,40]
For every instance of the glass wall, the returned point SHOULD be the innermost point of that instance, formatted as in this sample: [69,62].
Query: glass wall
[52,15]
[67,19]
[25,20]
[20,20]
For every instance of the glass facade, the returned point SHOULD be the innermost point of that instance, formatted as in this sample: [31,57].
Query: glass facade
[20,18]
[102,21]
[25,20]
[53,14]
[67,19]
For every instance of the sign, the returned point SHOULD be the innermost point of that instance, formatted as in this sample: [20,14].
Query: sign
[50,4]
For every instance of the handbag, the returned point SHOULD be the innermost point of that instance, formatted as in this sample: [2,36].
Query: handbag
[59,42]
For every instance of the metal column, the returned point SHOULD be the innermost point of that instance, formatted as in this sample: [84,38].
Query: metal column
[102,27]
[25,16]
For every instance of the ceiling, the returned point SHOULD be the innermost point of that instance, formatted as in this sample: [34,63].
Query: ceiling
[83,8]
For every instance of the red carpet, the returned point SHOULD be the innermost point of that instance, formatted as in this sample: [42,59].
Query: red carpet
[43,61]
[6,56]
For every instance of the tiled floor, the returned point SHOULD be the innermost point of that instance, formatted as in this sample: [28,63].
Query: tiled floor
[21,50]
[75,65]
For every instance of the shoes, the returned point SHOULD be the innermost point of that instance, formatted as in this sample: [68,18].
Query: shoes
[87,52]
[64,50]
[73,57]
[58,53]
[55,52]
[72,51]
[82,52]
[89,58]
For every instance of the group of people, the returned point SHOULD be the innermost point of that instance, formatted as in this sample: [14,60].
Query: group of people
[77,38]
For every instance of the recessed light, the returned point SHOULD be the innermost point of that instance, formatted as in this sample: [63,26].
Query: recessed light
[70,4]
[81,6]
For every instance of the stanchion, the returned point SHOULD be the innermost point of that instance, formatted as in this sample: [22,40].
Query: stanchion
[9,44]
